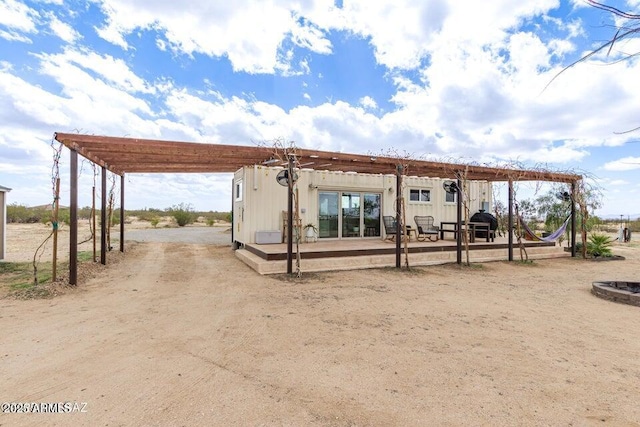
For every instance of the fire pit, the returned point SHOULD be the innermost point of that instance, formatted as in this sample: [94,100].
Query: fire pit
[618,291]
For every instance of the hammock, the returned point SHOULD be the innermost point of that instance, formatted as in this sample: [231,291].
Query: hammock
[530,235]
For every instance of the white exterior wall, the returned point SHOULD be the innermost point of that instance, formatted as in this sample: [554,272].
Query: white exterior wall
[263,199]
[441,210]
[3,223]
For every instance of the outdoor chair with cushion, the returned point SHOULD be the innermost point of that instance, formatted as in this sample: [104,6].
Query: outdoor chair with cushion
[426,229]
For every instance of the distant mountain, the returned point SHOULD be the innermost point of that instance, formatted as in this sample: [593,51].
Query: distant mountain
[632,217]
[48,206]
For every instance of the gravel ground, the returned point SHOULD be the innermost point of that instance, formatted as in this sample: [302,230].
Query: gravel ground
[200,235]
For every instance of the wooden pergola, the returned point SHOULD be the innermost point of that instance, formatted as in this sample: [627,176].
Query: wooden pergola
[132,155]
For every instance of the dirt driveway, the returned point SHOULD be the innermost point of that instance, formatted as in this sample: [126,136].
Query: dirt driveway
[185,334]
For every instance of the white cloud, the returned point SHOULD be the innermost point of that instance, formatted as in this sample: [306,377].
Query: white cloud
[624,164]
[18,16]
[618,182]
[62,29]
[462,91]
[249,33]
[14,37]
[114,70]
[368,102]
[310,37]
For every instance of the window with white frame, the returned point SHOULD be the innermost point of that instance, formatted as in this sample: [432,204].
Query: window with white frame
[238,190]
[419,195]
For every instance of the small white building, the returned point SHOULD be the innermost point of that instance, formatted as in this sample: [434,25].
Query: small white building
[3,220]
[342,205]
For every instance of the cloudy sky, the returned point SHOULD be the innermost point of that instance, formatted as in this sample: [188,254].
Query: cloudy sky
[441,79]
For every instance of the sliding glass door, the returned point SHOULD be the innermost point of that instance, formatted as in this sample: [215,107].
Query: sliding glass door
[351,215]
[348,214]
[328,214]
[371,212]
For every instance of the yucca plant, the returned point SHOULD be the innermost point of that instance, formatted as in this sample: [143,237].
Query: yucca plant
[599,245]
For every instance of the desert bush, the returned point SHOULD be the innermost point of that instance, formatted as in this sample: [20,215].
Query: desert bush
[154,221]
[145,214]
[64,216]
[182,213]
[23,214]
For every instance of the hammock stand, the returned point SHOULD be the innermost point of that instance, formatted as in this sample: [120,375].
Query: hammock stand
[530,235]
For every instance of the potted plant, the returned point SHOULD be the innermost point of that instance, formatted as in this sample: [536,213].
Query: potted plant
[311,231]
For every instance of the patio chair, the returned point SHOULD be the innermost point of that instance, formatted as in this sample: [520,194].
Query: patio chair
[390,227]
[426,229]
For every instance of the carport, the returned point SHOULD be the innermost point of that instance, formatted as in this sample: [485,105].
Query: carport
[123,156]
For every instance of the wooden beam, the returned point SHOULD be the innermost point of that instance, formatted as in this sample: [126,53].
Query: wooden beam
[134,155]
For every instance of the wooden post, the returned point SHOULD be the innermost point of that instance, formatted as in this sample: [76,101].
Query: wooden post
[54,223]
[458,194]
[122,213]
[103,219]
[510,222]
[290,216]
[573,219]
[399,231]
[73,220]
[93,220]
[109,219]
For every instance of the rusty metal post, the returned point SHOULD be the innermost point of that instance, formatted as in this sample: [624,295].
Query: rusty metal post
[73,220]
[54,224]
[399,225]
[122,213]
[510,222]
[573,219]
[290,216]
[103,219]
[459,226]
[93,220]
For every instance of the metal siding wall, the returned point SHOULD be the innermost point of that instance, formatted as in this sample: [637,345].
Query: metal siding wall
[438,208]
[264,199]
[3,224]
[239,225]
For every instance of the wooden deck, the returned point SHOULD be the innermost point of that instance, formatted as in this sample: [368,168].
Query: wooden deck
[348,254]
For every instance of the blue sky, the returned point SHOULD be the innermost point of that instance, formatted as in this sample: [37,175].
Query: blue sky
[441,79]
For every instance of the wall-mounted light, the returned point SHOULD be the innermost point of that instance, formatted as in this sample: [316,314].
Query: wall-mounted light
[390,189]
[313,187]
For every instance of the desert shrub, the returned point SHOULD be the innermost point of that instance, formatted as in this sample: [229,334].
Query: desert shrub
[218,216]
[85,212]
[182,213]
[64,216]
[154,221]
[145,214]
[23,214]
[210,222]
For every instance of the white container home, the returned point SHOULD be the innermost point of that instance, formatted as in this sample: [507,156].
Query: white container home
[341,205]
